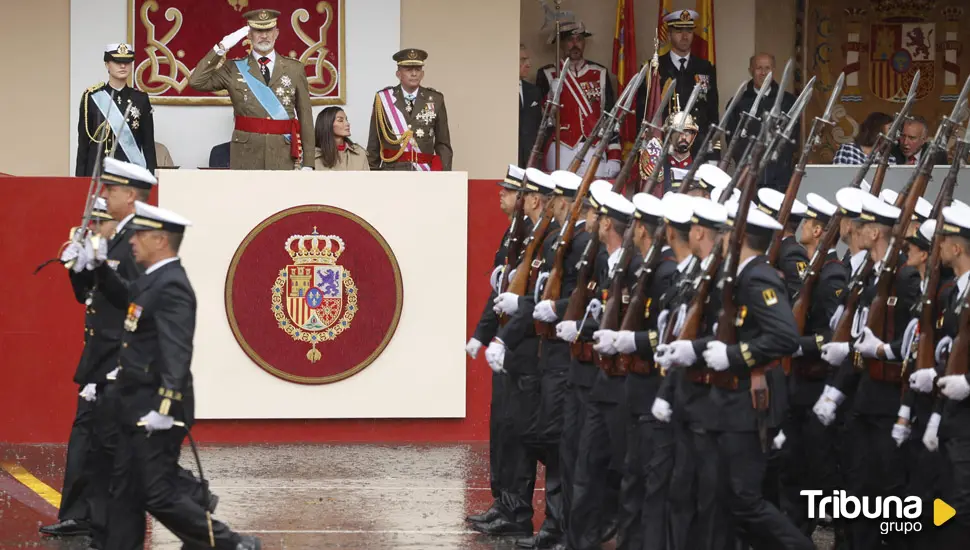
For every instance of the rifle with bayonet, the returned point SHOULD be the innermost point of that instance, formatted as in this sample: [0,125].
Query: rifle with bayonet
[658,168]
[747,117]
[716,133]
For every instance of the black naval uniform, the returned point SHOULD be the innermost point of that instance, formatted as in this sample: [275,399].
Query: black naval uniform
[875,465]
[530,116]
[813,462]
[602,440]
[792,261]
[155,356]
[705,110]
[766,333]
[649,452]
[140,121]
[778,173]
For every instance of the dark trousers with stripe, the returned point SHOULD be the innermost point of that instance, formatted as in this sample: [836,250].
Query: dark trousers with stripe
[77,469]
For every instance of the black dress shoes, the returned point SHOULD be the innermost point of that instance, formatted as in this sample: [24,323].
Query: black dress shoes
[489,516]
[502,527]
[543,539]
[66,528]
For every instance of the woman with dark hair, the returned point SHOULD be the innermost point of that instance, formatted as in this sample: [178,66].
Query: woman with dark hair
[334,149]
[856,151]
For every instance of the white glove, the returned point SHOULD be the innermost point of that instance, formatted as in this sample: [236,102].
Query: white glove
[954,386]
[566,331]
[679,353]
[306,169]
[930,439]
[778,441]
[868,345]
[154,421]
[230,40]
[506,303]
[798,352]
[89,392]
[71,252]
[661,410]
[901,433]
[943,349]
[922,380]
[595,309]
[825,407]
[545,312]
[834,353]
[716,356]
[472,348]
[495,355]
[113,375]
[834,321]
[604,342]
[625,342]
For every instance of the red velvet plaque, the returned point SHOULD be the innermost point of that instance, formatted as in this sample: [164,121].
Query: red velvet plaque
[313,294]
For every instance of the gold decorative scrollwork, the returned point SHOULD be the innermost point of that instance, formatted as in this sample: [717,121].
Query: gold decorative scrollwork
[318,47]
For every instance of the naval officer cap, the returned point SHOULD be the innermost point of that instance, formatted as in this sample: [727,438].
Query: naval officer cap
[261,20]
[678,209]
[410,57]
[923,238]
[567,183]
[769,201]
[710,177]
[708,213]
[616,206]
[597,190]
[718,191]
[537,181]
[681,19]
[818,208]
[759,223]
[956,221]
[119,53]
[513,178]
[957,203]
[118,172]
[875,210]
[649,209]
[849,200]
[100,210]
[677,177]
[153,218]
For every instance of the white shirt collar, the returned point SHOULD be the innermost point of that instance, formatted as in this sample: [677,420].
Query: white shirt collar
[856,261]
[676,59]
[579,223]
[158,265]
[411,96]
[962,282]
[272,59]
[682,266]
[614,258]
[121,225]
[744,264]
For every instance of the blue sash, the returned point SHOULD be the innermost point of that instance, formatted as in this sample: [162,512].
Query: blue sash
[263,93]
[120,127]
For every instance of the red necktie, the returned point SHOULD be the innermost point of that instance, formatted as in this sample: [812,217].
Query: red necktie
[911,160]
[264,68]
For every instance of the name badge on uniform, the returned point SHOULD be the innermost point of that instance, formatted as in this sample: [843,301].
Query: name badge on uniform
[131,320]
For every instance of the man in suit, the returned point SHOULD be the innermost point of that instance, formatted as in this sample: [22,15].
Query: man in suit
[530,108]
[270,98]
[686,70]
[913,142]
[409,122]
[588,91]
[155,391]
[102,103]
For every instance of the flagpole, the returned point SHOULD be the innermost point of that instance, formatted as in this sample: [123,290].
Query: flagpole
[557,68]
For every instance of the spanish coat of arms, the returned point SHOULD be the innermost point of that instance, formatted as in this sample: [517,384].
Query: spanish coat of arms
[314,298]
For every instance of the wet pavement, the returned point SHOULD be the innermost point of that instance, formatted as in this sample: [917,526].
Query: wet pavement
[304,496]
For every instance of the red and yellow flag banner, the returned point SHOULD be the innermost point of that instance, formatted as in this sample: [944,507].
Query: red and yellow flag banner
[703,46]
[625,59]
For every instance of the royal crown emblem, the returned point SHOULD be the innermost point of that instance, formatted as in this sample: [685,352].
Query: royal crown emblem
[314,298]
[123,49]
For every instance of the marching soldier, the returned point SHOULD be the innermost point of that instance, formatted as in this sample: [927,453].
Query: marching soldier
[155,391]
[102,121]
[270,98]
[876,466]
[409,122]
[587,93]
[686,70]
[792,259]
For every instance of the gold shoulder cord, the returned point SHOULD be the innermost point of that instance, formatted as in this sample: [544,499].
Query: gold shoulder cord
[383,128]
[103,128]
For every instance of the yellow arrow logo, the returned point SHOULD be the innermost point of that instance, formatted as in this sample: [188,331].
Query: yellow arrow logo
[942,512]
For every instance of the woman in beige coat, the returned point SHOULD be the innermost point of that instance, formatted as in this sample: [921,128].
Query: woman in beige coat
[334,148]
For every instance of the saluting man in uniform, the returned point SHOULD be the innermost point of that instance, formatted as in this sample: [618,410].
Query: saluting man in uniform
[686,70]
[409,122]
[588,91]
[270,98]
[101,119]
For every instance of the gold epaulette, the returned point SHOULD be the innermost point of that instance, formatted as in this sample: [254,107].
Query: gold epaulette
[96,87]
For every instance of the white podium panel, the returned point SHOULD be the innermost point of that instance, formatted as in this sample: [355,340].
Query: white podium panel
[423,219]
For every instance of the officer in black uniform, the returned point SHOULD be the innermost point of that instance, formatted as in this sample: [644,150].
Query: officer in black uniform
[812,455]
[792,258]
[875,463]
[137,144]
[649,456]
[154,391]
[513,353]
[486,329]
[602,440]
[686,70]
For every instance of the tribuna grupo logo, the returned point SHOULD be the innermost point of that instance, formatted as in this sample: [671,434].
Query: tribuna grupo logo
[898,515]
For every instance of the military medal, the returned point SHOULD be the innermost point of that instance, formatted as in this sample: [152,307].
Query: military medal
[131,320]
[419,132]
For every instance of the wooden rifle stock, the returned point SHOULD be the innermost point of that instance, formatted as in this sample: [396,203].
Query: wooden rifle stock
[774,249]
[520,283]
[957,362]
[516,238]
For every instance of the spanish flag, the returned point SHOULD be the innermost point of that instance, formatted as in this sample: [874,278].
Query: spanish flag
[666,6]
[703,46]
[625,60]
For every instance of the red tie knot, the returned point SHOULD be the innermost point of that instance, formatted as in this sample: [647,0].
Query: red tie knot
[264,61]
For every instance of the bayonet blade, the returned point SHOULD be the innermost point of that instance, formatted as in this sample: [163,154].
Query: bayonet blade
[782,86]
[733,104]
[795,113]
[904,111]
[562,79]
[958,106]
[690,104]
[765,86]
[826,115]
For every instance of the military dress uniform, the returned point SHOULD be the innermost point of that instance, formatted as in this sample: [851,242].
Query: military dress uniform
[270,96]
[686,72]
[94,132]
[409,131]
[792,259]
